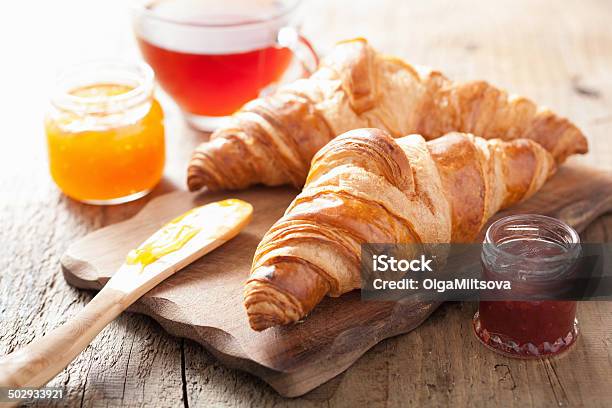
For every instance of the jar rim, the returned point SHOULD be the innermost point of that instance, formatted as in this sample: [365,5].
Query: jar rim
[572,247]
[139,75]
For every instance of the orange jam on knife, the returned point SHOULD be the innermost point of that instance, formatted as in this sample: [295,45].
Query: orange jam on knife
[106,139]
[211,219]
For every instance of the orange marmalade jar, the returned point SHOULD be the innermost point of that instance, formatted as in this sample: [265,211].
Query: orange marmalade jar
[105,133]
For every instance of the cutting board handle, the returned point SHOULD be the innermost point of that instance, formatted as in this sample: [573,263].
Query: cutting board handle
[38,362]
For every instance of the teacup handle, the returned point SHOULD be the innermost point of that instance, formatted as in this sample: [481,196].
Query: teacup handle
[302,49]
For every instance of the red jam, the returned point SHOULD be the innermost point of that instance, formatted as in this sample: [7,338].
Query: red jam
[532,252]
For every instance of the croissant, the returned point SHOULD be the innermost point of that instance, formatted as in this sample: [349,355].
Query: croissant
[272,140]
[364,186]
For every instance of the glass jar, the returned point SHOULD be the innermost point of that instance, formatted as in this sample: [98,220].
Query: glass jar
[536,254]
[105,133]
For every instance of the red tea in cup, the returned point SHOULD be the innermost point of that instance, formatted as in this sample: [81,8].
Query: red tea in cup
[210,56]
[215,85]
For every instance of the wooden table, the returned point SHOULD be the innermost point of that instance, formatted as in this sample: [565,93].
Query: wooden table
[558,53]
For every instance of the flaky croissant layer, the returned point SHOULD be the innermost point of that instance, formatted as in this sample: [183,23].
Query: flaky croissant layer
[364,186]
[272,140]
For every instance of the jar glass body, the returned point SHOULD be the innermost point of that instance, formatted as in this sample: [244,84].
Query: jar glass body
[535,253]
[105,133]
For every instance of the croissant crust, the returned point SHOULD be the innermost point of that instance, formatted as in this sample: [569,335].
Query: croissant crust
[272,140]
[364,186]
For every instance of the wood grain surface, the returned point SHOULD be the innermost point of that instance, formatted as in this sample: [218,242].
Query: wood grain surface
[557,53]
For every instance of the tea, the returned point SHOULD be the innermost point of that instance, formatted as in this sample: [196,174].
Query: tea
[215,85]
[210,57]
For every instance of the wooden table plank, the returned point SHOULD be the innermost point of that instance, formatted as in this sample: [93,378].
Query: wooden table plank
[557,53]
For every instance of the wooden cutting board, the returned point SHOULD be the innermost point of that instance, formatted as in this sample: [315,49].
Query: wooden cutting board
[204,301]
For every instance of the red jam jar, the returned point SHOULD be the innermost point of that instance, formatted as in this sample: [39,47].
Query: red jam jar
[535,253]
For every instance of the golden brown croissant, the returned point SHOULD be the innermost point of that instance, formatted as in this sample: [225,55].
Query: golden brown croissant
[272,140]
[364,186]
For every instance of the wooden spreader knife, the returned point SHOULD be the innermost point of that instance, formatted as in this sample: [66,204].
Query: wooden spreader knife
[171,248]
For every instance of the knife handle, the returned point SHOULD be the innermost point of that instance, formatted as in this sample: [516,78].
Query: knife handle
[41,360]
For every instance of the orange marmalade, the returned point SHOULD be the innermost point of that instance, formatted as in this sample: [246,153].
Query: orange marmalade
[105,134]
[212,219]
